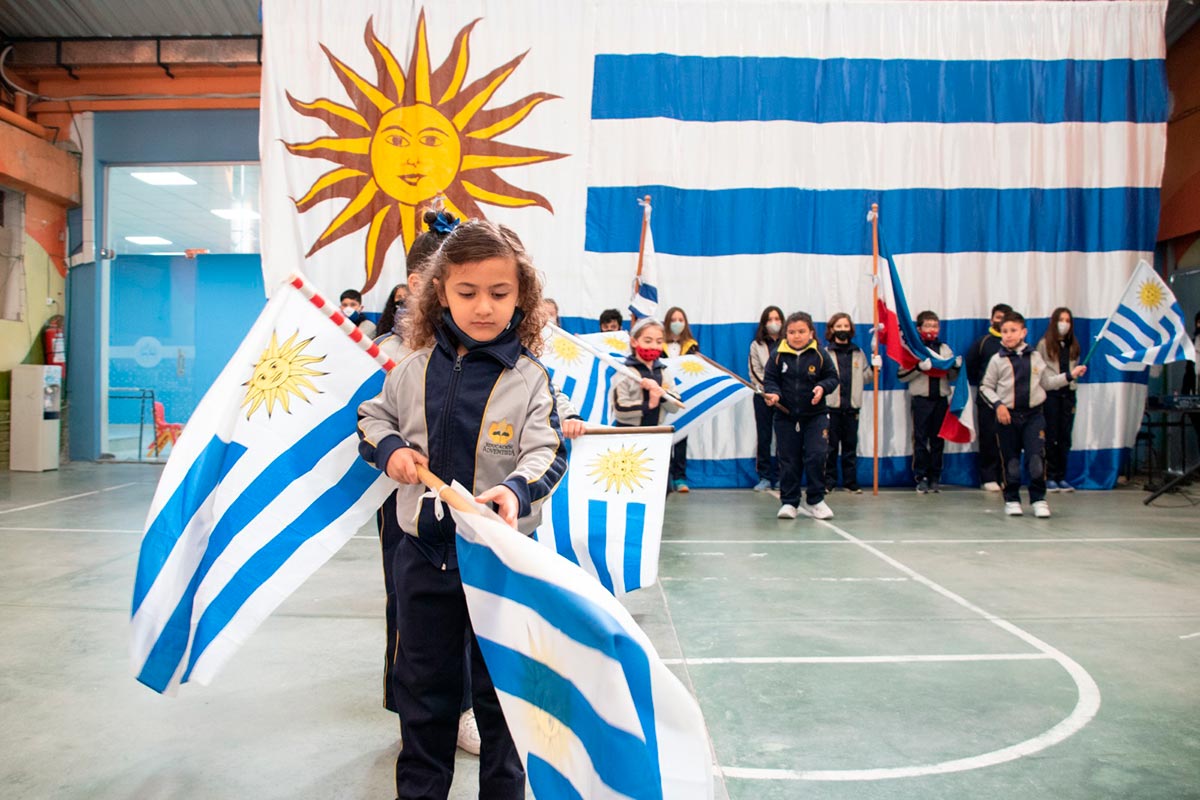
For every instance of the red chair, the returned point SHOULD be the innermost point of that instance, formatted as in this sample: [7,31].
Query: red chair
[164,432]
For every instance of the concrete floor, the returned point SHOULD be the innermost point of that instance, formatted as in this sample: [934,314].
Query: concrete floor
[916,647]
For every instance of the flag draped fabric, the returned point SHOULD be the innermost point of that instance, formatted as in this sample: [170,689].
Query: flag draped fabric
[644,302]
[263,486]
[1015,151]
[584,369]
[592,709]
[606,514]
[1148,326]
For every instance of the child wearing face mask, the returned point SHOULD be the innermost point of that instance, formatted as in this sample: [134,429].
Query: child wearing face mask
[929,389]
[352,309]
[644,402]
[1060,350]
[766,338]
[854,370]
[679,342]
[799,375]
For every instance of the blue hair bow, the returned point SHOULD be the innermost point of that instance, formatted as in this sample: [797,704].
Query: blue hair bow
[444,223]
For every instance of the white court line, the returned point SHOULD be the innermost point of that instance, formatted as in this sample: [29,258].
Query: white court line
[1085,708]
[1190,636]
[75,530]
[769,541]
[64,499]
[914,659]
[1097,540]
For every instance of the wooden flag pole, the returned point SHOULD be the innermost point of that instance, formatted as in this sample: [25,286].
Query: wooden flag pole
[739,379]
[614,431]
[874,217]
[637,280]
[453,498]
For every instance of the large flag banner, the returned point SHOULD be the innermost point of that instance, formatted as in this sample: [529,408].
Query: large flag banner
[1148,326]
[746,124]
[263,486]
[606,514]
[592,709]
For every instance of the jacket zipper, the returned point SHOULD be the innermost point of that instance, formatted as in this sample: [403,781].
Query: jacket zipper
[444,450]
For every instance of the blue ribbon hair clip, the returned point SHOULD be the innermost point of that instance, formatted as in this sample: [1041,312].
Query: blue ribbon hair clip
[442,222]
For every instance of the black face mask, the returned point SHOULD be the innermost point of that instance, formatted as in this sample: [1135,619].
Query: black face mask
[471,344]
[842,336]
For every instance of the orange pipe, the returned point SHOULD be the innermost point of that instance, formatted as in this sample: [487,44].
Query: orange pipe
[28,125]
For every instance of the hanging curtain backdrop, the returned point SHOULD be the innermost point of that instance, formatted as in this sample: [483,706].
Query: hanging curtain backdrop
[1015,150]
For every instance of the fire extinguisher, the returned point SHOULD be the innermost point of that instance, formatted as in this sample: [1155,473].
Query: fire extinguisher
[55,341]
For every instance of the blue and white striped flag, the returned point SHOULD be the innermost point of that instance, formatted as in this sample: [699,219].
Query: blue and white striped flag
[1148,326]
[644,302]
[704,388]
[264,485]
[577,371]
[592,709]
[606,514]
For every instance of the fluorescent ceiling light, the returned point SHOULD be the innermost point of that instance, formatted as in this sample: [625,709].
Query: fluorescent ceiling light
[147,240]
[236,213]
[164,178]
[170,253]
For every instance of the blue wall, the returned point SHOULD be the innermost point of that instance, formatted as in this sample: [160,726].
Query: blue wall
[137,137]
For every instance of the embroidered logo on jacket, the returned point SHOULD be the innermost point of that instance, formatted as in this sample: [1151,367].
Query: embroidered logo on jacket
[499,439]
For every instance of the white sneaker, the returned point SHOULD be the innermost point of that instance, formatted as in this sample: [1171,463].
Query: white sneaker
[468,733]
[787,512]
[821,511]
[1013,509]
[991,486]
[1041,509]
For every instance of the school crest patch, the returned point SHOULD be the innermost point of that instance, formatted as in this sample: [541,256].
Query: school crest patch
[499,439]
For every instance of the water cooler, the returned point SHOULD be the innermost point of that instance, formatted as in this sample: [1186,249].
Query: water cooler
[36,417]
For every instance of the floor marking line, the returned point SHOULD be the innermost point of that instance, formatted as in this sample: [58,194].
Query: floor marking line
[64,499]
[74,530]
[1190,636]
[898,659]
[1087,705]
[1099,540]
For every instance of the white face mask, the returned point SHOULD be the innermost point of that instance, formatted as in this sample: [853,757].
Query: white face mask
[676,327]
[774,328]
[1064,328]
[349,311]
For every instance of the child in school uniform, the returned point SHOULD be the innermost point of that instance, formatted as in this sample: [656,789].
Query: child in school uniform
[677,335]
[1059,348]
[645,403]
[797,378]
[929,390]
[854,369]
[471,403]
[766,337]
[977,357]
[1015,384]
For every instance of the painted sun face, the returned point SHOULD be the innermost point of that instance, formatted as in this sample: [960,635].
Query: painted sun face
[415,154]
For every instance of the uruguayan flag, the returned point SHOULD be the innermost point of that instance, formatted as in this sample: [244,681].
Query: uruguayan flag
[606,514]
[704,388]
[264,485]
[584,368]
[644,302]
[592,709]
[1148,326]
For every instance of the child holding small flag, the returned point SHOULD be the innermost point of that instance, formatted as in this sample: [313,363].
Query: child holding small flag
[798,377]
[1015,384]
[472,403]
[647,402]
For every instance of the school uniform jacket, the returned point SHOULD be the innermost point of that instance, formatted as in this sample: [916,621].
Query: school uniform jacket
[980,354]
[484,418]
[860,373]
[920,384]
[1072,363]
[794,375]
[630,401]
[760,353]
[1019,379]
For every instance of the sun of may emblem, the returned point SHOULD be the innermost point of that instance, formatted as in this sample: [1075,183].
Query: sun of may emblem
[621,468]
[412,136]
[1150,294]
[565,350]
[691,366]
[281,371]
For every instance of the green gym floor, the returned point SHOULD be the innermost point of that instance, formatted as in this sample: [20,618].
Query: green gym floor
[912,647]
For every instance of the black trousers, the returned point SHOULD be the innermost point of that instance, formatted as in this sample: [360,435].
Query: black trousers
[927,415]
[389,536]
[989,445]
[1059,411]
[843,437]
[1026,433]
[802,445]
[427,682]
[678,469]
[764,416]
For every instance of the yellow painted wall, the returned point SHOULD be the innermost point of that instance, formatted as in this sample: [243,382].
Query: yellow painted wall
[20,342]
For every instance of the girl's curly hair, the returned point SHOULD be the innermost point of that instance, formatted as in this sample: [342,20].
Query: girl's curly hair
[472,241]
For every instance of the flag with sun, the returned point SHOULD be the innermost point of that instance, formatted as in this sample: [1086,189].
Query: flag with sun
[1148,326]
[606,514]
[371,118]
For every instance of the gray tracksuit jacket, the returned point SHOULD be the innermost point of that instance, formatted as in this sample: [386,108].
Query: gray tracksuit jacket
[1019,379]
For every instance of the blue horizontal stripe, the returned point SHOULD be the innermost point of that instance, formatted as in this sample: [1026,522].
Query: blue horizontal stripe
[732,88]
[204,474]
[580,619]
[619,758]
[546,781]
[265,563]
[696,222]
[297,460]
[694,412]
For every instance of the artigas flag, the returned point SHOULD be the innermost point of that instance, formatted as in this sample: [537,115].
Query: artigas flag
[263,486]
